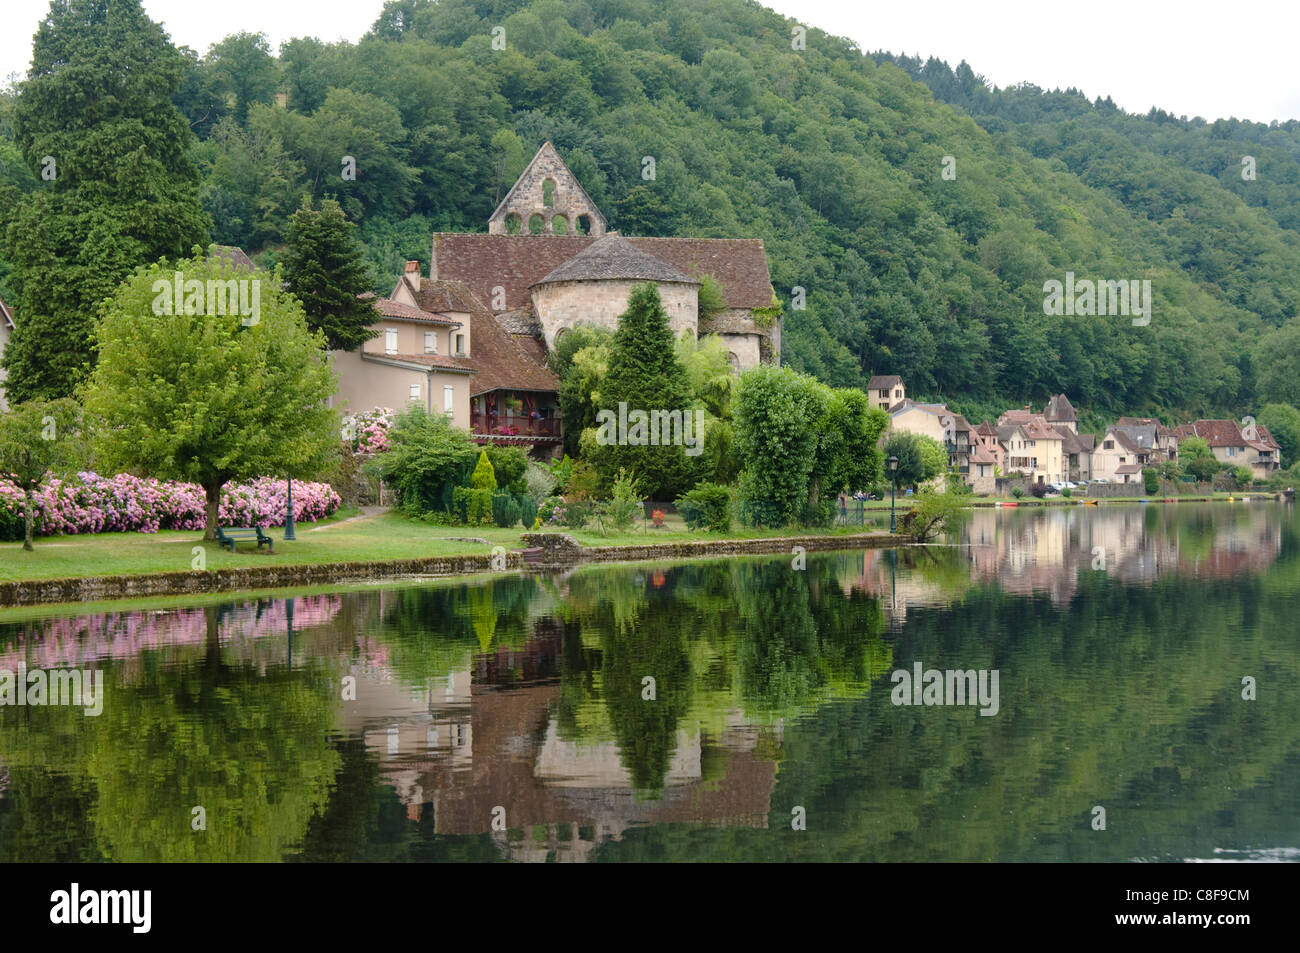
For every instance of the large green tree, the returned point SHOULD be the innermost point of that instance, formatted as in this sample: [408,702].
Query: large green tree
[94,119]
[324,267]
[644,374]
[210,397]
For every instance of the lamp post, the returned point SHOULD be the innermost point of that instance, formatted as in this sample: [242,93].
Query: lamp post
[288,518]
[893,489]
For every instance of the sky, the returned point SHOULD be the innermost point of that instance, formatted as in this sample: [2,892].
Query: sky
[1204,58]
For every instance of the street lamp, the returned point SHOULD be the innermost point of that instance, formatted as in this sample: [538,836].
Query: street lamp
[893,489]
[288,518]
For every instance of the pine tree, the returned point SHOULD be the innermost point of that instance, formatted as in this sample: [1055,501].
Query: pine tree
[325,267]
[95,122]
[644,372]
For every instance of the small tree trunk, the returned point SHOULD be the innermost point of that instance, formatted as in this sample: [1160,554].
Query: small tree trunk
[212,491]
[29,517]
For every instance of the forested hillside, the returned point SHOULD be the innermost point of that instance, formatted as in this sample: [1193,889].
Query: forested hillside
[834,159]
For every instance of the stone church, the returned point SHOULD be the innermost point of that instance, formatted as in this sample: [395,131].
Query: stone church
[471,338]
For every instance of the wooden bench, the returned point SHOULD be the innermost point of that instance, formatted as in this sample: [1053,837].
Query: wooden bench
[227,536]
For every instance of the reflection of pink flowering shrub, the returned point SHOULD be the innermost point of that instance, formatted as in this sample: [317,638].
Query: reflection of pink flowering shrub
[124,503]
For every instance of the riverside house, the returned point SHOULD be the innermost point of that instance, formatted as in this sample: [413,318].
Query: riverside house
[1232,445]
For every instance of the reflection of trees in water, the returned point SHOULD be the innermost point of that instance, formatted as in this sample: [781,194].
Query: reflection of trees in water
[250,747]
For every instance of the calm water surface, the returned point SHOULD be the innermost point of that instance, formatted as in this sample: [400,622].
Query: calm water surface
[512,718]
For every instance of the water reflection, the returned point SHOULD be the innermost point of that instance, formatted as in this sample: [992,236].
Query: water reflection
[684,711]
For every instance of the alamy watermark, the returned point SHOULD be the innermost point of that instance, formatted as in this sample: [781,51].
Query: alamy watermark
[1086,297]
[37,687]
[242,296]
[655,428]
[948,687]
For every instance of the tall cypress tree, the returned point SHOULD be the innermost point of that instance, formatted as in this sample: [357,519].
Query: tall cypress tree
[95,121]
[645,373]
[325,267]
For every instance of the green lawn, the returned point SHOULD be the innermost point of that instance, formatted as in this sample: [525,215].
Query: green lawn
[376,538]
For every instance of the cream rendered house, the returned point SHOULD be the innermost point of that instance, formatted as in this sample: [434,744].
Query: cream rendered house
[1034,450]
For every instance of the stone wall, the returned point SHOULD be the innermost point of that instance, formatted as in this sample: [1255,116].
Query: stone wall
[562,304]
[527,198]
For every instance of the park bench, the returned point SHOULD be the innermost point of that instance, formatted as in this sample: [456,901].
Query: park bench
[227,535]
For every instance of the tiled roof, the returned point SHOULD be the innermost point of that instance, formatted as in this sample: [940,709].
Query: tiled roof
[614,257]
[516,262]
[424,360]
[502,362]
[1060,408]
[441,296]
[1161,429]
[1266,438]
[523,321]
[1128,468]
[982,454]
[1070,441]
[987,429]
[1220,433]
[884,382]
[1038,429]
[1017,416]
[404,312]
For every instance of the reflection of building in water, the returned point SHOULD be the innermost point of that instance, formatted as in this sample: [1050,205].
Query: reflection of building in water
[567,796]
[1026,551]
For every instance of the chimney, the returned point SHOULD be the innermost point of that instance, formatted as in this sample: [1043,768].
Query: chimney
[413,268]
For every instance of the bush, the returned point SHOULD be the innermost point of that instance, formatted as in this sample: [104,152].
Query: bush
[505,509]
[624,506]
[1067,493]
[579,513]
[1038,490]
[510,464]
[484,477]
[473,507]
[1017,491]
[527,509]
[551,514]
[427,458]
[1151,480]
[933,513]
[539,483]
[706,507]
[91,503]
[1243,477]
[583,484]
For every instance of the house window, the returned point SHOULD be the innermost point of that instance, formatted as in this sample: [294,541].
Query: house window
[430,342]
[1108,445]
[460,345]
[390,340]
[415,391]
[448,399]
[1232,451]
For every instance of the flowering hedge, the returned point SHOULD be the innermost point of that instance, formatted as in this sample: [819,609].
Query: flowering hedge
[124,503]
[367,432]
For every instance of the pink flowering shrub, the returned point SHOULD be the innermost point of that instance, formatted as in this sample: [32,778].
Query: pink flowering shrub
[368,432]
[124,503]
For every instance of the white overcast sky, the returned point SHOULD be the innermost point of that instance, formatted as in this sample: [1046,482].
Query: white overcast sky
[1210,58]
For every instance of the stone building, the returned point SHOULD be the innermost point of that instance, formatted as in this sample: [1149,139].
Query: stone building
[546,264]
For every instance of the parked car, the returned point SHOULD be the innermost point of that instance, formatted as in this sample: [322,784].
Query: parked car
[1101,480]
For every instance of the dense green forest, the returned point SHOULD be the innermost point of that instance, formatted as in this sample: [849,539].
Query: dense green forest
[833,157]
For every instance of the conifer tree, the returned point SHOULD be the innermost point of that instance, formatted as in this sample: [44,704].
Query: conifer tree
[325,268]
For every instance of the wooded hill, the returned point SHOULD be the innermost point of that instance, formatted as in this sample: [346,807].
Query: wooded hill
[833,157]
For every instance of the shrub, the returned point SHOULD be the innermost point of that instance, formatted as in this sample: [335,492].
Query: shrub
[527,509]
[484,477]
[473,507]
[562,469]
[1067,493]
[1039,490]
[510,464]
[1017,491]
[427,458]
[91,503]
[706,507]
[578,513]
[1243,477]
[1151,480]
[539,483]
[552,512]
[625,504]
[584,482]
[505,509]
[933,513]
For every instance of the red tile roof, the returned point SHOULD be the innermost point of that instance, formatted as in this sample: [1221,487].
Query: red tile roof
[517,262]
[404,312]
[883,382]
[425,360]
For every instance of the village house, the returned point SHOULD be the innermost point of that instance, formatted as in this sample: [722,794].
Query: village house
[1060,413]
[986,435]
[471,339]
[6,329]
[1119,458]
[886,391]
[1032,449]
[1150,432]
[1232,445]
[954,432]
